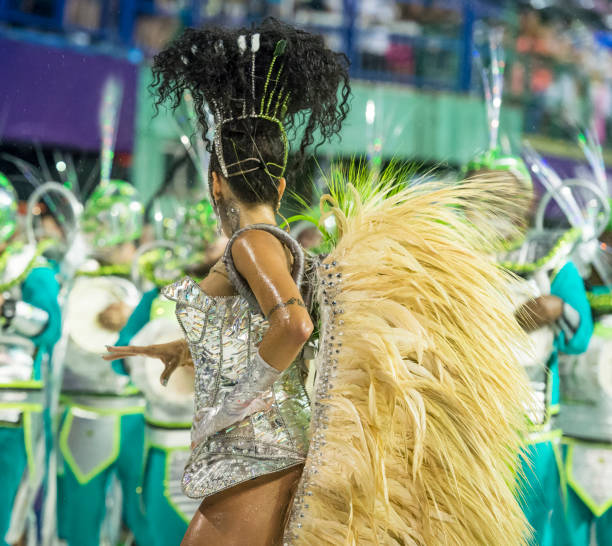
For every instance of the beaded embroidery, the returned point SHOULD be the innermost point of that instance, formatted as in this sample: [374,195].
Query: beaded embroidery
[327,363]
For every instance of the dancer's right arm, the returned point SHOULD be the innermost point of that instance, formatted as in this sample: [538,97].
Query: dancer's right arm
[176,353]
[173,355]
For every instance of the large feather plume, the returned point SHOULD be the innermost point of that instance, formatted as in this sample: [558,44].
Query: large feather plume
[419,405]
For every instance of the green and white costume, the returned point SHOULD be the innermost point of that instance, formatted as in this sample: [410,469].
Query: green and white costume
[586,419]
[30,325]
[101,437]
[26,344]
[542,260]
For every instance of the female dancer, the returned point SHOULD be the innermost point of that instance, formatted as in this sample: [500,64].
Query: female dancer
[256,82]
[417,416]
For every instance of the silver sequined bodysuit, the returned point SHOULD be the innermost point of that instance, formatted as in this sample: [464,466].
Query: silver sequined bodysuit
[223,334]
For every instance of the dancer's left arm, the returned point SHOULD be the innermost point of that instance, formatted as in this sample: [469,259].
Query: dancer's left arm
[260,258]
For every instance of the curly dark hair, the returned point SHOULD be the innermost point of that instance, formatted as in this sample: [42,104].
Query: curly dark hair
[213,64]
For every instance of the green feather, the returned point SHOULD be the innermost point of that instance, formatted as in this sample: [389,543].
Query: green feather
[281,45]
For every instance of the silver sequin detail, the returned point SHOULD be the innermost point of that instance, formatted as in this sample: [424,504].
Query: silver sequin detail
[223,334]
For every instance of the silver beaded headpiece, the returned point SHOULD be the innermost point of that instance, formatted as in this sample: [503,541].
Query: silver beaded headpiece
[272,106]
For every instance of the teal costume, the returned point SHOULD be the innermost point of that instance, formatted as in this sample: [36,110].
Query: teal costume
[83,498]
[547,271]
[101,436]
[568,286]
[544,501]
[101,440]
[588,506]
[168,510]
[586,399]
[25,349]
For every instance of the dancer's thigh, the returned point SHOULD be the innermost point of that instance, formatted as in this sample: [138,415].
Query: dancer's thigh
[250,514]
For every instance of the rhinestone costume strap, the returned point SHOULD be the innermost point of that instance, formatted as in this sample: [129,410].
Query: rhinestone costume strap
[238,280]
[188,292]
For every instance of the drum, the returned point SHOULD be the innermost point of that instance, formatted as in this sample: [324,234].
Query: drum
[172,404]
[85,371]
[17,263]
[545,247]
[586,392]
[587,378]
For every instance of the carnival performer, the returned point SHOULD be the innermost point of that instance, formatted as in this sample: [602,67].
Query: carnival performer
[551,305]
[585,380]
[554,310]
[101,436]
[411,439]
[30,325]
[587,441]
[253,144]
[169,409]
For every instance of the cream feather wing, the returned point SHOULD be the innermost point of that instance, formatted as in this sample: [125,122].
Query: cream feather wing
[419,403]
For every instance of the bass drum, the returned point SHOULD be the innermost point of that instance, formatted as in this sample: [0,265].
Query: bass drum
[172,404]
[586,388]
[587,378]
[85,371]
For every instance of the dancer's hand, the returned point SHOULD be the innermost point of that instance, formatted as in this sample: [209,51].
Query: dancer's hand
[115,316]
[539,312]
[173,355]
